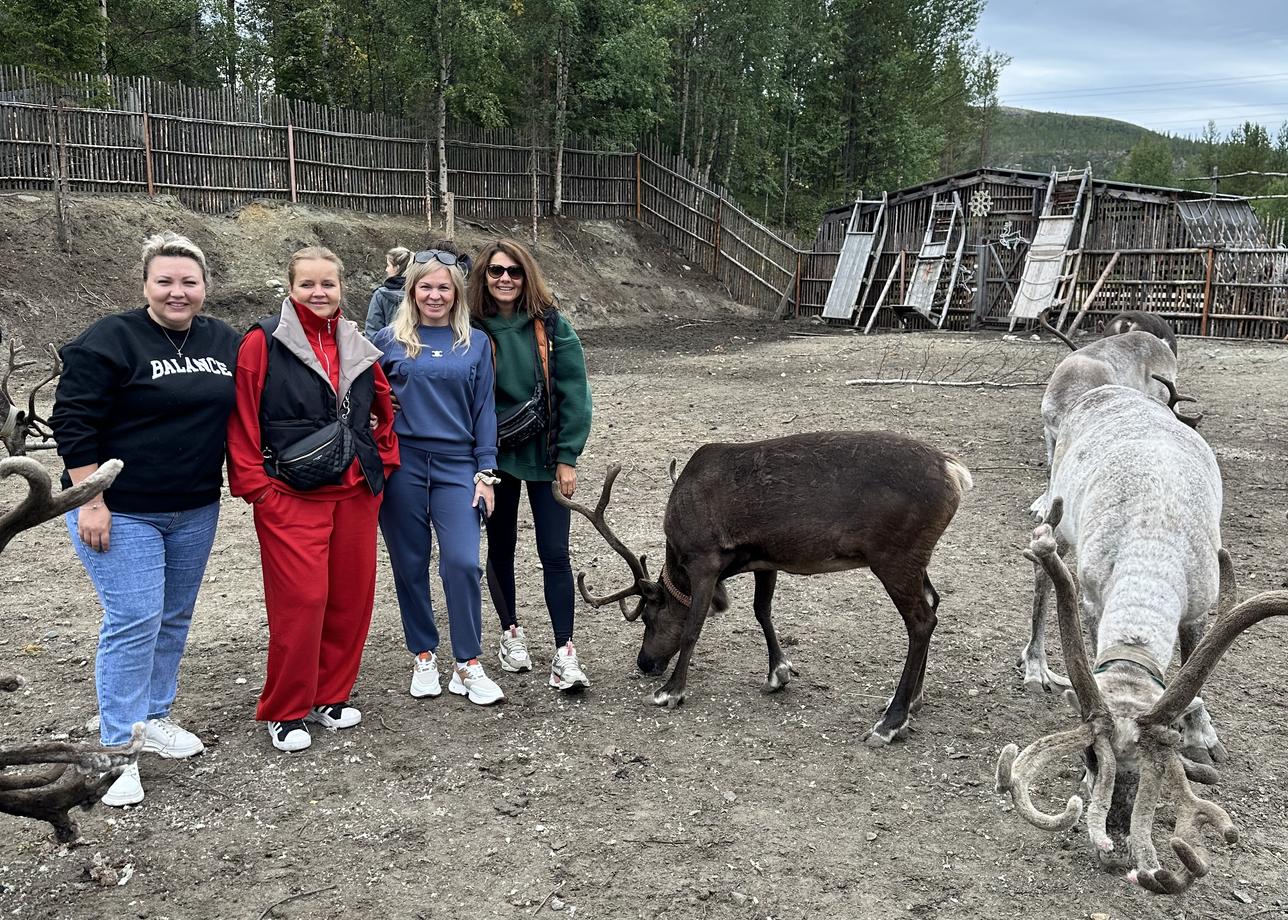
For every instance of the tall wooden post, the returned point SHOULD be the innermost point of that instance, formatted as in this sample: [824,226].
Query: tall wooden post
[637,186]
[715,254]
[290,159]
[1207,291]
[981,283]
[800,262]
[147,155]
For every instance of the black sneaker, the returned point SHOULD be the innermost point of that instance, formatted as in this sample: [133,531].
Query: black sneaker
[292,735]
[335,715]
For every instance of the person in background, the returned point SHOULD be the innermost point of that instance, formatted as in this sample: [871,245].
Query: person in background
[152,387]
[305,375]
[538,355]
[440,369]
[386,298]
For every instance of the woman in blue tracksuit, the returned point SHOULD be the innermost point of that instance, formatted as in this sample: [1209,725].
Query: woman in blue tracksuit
[440,369]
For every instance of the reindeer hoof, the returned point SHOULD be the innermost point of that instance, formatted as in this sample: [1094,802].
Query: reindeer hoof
[668,698]
[780,677]
[877,738]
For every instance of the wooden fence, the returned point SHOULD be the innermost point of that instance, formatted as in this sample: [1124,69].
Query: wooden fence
[216,151]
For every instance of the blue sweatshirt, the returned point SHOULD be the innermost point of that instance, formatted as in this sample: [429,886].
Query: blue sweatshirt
[446,397]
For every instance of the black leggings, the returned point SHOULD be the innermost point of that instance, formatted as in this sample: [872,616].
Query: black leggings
[552,522]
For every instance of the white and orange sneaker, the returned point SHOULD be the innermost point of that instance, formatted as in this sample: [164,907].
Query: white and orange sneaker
[468,680]
[424,676]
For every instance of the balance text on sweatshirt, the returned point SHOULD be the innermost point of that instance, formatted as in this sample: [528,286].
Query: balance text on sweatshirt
[157,399]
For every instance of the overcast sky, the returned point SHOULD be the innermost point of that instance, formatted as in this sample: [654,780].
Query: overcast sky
[1225,60]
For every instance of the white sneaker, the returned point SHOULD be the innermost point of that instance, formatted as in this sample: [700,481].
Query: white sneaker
[469,680]
[127,790]
[290,736]
[565,671]
[514,650]
[336,715]
[424,677]
[167,738]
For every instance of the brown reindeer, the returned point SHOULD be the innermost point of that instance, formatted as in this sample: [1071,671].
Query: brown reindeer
[74,775]
[804,504]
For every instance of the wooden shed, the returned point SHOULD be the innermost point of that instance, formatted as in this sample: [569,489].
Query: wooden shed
[970,250]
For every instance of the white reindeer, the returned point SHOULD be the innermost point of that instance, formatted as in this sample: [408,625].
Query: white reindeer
[1139,496]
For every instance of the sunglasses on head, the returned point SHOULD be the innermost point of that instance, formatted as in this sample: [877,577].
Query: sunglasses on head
[438,255]
[496,271]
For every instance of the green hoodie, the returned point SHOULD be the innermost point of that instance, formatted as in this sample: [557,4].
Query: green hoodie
[516,357]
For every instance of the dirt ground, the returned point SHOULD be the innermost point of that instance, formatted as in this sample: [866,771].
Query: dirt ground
[736,805]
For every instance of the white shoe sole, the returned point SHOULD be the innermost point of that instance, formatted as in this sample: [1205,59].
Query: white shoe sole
[291,747]
[513,668]
[575,686]
[478,699]
[421,692]
[169,753]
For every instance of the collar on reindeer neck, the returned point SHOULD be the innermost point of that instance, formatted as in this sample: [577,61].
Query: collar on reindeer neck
[676,593]
[1134,654]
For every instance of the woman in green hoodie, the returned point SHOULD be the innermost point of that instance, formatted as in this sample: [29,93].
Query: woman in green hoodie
[537,355]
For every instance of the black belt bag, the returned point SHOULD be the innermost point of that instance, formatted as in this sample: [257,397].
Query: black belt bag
[524,422]
[532,418]
[319,459]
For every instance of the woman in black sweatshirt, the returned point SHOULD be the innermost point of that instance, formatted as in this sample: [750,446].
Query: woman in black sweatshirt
[152,387]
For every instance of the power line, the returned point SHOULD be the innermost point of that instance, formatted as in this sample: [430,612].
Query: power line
[1136,87]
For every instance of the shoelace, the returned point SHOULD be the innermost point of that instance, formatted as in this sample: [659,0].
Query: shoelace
[426,664]
[167,726]
[470,671]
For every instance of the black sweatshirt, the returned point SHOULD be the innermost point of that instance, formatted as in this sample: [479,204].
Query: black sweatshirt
[126,392]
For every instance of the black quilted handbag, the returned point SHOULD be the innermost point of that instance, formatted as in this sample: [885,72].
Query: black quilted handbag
[319,459]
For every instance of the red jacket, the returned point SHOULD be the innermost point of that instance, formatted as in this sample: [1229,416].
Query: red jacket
[246,475]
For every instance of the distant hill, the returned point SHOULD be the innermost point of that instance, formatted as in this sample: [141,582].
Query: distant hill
[1042,141]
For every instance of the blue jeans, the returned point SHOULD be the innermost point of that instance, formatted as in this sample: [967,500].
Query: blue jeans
[147,582]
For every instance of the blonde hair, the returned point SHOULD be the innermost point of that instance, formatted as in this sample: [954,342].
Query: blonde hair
[168,243]
[407,319]
[313,252]
[398,257]
[535,298]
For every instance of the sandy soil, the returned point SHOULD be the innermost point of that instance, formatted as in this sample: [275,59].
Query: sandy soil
[736,805]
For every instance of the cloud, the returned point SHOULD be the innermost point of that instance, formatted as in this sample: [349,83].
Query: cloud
[1170,67]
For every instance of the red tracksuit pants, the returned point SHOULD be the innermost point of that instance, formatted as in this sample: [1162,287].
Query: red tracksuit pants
[319,560]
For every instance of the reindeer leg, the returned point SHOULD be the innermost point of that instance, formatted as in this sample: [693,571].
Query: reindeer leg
[1038,676]
[1199,740]
[919,620]
[780,669]
[932,600]
[703,588]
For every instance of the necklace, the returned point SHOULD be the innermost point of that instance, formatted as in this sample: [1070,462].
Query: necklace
[180,347]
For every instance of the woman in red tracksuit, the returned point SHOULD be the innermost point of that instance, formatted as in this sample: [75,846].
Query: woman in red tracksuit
[296,374]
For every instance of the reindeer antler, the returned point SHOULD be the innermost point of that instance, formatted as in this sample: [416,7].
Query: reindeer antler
[1015,772]
[41,504]
[1174,397]
[77,778]
[596,517]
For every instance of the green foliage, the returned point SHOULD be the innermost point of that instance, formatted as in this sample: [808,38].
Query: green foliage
[793,105]
[53,37]
[1149,163]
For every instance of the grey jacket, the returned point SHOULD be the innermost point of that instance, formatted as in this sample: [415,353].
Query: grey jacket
[384,303]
